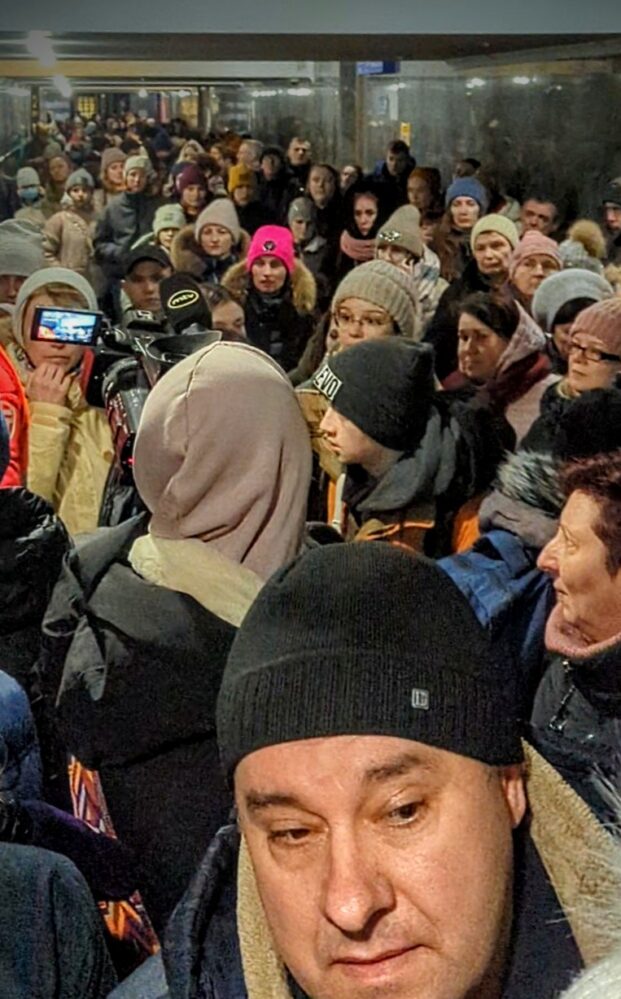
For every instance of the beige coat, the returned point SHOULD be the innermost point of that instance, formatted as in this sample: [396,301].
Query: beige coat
[68,241]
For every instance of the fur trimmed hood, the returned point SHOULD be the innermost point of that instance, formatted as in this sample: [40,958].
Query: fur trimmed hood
[187,256]
[527,500]
[303,286]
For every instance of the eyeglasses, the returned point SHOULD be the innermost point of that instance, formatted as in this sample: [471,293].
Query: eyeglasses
[368,324]
[592,353]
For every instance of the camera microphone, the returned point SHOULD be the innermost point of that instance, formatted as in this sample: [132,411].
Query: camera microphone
[183,303]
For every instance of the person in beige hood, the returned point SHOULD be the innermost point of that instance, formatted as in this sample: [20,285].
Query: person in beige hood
[223,464]
[70,444]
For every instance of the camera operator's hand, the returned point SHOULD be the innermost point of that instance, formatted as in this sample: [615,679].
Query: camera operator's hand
[48,383]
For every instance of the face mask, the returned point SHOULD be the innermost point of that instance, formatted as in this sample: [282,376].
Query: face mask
[29,195]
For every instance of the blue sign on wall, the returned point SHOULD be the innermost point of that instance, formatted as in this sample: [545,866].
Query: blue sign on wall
[377,68]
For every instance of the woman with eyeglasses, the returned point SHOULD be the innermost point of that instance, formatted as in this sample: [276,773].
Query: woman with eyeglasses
[594,362]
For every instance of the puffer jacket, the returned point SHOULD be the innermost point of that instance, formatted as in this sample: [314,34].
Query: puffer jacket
[15,411]
[33,543]
[69,455]
[125,219]
[130,672]
[281,324]
[20,760]
[578,702]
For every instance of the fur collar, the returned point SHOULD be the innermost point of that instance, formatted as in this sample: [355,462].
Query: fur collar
[532,478]
[303,287]
[186,254]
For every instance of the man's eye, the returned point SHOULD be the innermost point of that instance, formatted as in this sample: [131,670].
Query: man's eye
[404,813]
[289,837]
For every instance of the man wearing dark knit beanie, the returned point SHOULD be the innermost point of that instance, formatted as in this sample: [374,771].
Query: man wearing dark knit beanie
[380,790]
[403,449]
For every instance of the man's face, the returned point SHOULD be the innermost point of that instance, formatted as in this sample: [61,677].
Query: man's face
[9,287]
[348,442]
[539,215]
[492,252]
[384,866]
[142,284]
[81,196]
[396,163]
[589,597]
[135,181]
[532,271]
[612,217]
[268,274]
[299,152]
[321,185]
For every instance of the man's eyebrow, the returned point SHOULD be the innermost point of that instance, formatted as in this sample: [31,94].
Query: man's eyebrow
[257,802]
[399,766]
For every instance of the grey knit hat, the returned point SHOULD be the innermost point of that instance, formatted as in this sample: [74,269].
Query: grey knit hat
[27,177]
[21,250]
[79,178]
[39,280]
[559,289]
[575,254]
[403,229]
[384,285]
[222,212]
[168,217]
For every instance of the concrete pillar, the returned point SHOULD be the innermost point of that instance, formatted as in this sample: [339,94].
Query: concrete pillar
[348,137]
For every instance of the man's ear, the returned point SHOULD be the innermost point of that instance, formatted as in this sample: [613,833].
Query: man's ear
[512,784]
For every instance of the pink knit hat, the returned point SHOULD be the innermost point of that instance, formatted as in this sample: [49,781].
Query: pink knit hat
[534,244]
[272,241]
[602,320]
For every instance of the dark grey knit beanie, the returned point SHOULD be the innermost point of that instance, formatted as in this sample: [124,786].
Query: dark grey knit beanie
[364,639]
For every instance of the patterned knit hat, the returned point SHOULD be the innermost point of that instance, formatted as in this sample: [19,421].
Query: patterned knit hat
[222,212]
[383,285]
[311,660]
[532,244]
[468,187]
[241,175]
[273,241]
[495,223]
[602,320]
[403,229]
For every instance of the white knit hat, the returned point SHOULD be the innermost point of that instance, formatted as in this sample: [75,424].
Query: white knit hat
[222,212]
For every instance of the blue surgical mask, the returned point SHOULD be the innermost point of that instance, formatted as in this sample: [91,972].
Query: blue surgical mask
[29,195]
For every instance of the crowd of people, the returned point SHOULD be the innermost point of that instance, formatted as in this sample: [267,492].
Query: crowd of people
[309,685]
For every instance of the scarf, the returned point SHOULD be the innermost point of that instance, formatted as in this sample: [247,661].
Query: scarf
[359,250]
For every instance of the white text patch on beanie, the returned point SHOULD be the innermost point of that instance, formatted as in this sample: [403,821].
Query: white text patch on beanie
[420,699]
[326,381]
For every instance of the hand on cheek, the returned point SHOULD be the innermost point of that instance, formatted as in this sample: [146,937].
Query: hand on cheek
[48,383]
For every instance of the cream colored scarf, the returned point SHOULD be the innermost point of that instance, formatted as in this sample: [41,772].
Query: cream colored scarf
[220,585]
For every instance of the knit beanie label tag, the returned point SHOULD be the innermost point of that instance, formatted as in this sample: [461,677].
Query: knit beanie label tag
[327,382]
[420,699]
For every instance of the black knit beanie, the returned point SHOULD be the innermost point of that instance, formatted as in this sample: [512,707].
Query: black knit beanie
[385,387]
[590,425]
[364,639]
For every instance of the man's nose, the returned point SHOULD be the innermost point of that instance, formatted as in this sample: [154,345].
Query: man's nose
[354,890]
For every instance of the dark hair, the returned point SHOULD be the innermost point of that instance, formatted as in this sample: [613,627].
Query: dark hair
[543,197]
[600,479]
[217,295]
[467,167]
[398,146]
[497,311]
[568,312]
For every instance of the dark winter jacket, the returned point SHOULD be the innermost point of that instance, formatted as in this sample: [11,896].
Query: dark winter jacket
[252,216]
[578,702]
[279,324]
[51,937]
[33,543]
[20,761]
[442,330]
[456,460]
[275,196]
[126,218]
[134,669]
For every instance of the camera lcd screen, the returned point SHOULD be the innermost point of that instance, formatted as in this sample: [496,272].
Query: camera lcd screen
[66,326]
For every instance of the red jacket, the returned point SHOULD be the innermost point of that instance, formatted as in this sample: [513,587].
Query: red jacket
[15,412]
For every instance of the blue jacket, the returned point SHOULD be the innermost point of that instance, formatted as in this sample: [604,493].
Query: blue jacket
[512,600]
